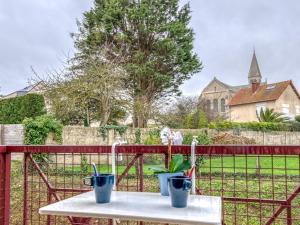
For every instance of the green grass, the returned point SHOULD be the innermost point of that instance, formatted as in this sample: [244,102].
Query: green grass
[242,165]
[104,169]
[276,165]
[212,182]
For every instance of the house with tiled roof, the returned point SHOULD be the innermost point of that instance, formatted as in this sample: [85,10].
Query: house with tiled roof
[283,97]
[241,103]
[34,88]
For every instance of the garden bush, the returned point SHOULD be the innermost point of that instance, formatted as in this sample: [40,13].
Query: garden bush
[37,129]
[187,139]
[255,126]
[297,118]
[153,137]
[202,138]
[15,110]
[36,133]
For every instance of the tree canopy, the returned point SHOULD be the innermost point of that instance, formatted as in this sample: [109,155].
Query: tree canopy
[154,40]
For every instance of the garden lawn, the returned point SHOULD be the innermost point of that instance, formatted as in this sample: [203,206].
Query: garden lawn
[269,165]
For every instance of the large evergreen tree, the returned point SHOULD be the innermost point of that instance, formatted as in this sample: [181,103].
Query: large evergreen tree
[154,40]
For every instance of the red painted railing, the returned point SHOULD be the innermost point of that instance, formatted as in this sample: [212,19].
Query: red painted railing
[258,184]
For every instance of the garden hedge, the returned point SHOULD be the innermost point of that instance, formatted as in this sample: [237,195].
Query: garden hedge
[256,126]
[15,110]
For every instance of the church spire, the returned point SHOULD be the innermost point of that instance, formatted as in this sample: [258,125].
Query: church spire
[254,72]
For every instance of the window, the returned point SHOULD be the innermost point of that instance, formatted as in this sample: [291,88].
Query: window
[208,105]
[259,107]
[223,107]
[297,110]
[215,105]
[286,109]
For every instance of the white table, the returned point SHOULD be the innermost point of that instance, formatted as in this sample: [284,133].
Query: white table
[140,206]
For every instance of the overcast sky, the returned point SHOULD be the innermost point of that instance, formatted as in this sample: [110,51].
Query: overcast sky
[36,33]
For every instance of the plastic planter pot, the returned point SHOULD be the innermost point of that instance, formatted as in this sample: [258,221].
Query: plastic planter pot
[163,182]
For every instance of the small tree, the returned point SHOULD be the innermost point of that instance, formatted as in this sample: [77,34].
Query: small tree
[202,121]
[87,89]
[189,121]
[269,115]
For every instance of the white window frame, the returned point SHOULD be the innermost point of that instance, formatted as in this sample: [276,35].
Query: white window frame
[260,106]
[285,109]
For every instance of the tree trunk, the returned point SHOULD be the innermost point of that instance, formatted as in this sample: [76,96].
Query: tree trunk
[105,113]
[141,112]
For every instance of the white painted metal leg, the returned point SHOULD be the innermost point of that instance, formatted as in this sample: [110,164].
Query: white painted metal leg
[193,163]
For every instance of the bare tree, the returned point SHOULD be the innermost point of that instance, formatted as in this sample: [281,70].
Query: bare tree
[89,88]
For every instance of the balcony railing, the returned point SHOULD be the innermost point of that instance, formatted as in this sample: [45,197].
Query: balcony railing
[258,184]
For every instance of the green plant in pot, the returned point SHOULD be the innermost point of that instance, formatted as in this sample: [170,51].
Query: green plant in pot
[177,167]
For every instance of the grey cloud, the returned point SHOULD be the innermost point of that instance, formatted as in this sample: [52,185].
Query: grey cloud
[36,33]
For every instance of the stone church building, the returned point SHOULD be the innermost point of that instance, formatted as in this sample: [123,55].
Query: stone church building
[241,103]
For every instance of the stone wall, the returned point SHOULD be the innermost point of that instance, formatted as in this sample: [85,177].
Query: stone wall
[11,134]
[90,136]
[76,135]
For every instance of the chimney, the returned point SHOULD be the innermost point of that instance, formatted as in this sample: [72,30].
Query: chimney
[254,86]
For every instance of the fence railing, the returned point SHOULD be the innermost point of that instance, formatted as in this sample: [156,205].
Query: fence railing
[258,184]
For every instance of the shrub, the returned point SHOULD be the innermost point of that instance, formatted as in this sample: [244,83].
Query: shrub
[255,126]
[117,128]
[297,118]
[36,132]
[15,110]
[204,139]
[203,121]
[187,139]
[189,121]
[153,137]
[37,129]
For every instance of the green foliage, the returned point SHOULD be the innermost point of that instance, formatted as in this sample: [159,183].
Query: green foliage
[189,121]
[117,128]
[84,167]
[37,129]
[154,40]
[36,132]
[269,115]
[137,135]
[202,138]
[294,126]
[153,137]
[15,110]
[255,126]
[202,121]
[187,139]
[177,164]
[297,118]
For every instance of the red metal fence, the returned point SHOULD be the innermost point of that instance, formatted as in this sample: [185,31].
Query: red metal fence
[258,184]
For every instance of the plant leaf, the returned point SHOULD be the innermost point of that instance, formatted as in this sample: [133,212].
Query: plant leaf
[176,162]
[158,169]
[186,165]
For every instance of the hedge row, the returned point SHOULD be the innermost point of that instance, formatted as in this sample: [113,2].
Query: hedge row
[15,110]
[256,126]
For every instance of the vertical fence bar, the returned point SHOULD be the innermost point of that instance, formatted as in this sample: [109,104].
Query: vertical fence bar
[289,214]
[5,164]
[7,188]
[25,194]
[141,173]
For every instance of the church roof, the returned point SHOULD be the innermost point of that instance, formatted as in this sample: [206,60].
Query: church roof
[254,70]
[264,93]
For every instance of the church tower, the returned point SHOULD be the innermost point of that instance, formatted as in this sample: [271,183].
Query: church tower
[254,75]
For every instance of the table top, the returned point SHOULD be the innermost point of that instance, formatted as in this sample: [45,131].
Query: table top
[140,206]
